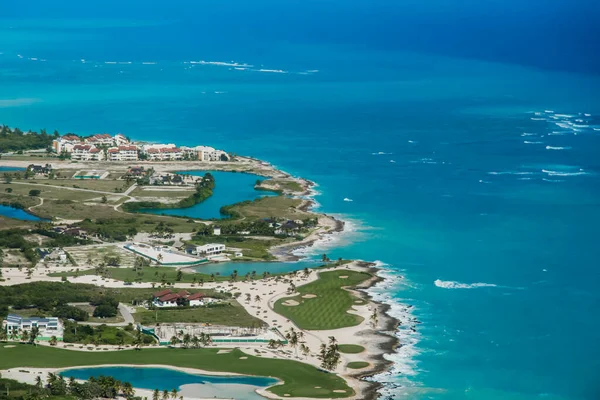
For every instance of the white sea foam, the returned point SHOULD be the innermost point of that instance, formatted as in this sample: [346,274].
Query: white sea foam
[549,111]
[558,133]
[510,173]
[558,148]
[529,142]
[552,180]
[381,153]
[275,71]
[588,115]
[221,63]
[564,173]
[347,199]
[565,115]
[110,62]
[392,161]
[580,126]
[527,134]
[412,141]
[148,63]
[458,285]
[538,119]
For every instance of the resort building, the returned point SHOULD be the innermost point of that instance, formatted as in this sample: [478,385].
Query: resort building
[168,298]
[65,143]
[100,139]
[123,153]
[165,154]
[210,249]
[121,140]
[205,153]
[48,327]
[86,152]
[40,169]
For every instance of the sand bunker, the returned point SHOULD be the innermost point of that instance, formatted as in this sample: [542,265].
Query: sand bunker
[223,351]
[9,346]
[290,303]
[309,296]
[243,358]
[344,277]
[339,391]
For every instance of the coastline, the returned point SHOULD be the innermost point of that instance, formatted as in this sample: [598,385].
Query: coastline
[380,341]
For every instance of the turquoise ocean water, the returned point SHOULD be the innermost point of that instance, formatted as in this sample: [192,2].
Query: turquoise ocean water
[464,155]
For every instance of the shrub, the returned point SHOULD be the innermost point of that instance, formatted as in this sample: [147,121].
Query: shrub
[105,311]
[35,192]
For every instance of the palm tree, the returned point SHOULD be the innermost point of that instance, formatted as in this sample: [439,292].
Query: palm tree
[248,298]
[53,341]
[186,340]
[25,336]
[292,338]
[174,340]
[156,394]
[127,390]
[174,393]
[195,342]
[165,395]
[3,336]
[38,382]
[14,335]
[257,299]
[332,341]
[305,350]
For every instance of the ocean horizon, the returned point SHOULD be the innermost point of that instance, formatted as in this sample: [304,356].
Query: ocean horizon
[459,143]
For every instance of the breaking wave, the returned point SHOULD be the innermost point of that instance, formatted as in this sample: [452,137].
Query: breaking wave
[459,285]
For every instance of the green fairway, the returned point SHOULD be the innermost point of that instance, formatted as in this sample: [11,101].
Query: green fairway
[329,309]
[357,364]
[350,348]
[299,380]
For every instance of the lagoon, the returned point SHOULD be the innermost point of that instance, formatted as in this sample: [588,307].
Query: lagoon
[230,188]
[17,213]
[191,385]
[243,268]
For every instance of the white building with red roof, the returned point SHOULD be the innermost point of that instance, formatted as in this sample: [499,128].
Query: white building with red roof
[65,143]
[123,153]
[86,152]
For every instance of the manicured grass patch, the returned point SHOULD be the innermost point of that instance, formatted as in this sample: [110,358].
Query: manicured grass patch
[350,348]
[357,364]
[329,309]
[229,314]
[254,248]
[299,380]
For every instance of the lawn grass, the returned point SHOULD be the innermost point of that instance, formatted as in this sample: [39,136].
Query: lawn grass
[230,314]
[253,248]
[11,223]
[329,310]
[350,348]
[357,364]
[299,380]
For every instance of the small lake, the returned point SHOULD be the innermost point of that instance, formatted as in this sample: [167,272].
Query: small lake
[191,385]
[243,268]
[230,188]
[17,213]
[11,169]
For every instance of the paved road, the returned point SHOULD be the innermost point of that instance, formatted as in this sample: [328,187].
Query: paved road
[125,312]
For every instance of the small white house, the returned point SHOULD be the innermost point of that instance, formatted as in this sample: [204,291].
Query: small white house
[210,249]
[217,231]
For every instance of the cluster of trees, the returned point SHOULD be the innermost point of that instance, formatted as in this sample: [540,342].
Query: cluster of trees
[46,296]
[120,230]
[106,307]
[186,340]
[330,355]
[103,334]
[16,140]
[70,312]
[102,387]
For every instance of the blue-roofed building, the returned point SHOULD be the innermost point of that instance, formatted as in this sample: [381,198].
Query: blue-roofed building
[48,327]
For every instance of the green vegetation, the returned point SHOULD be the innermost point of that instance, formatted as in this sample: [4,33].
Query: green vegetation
[15,390]
[102,334]
[329,309]
[266,207]
[204,189]
[17,140]
[252,248]
[299,379]
[14,239]
[350,348]
[357,364]
[281,185]
[229,313]
[48,296]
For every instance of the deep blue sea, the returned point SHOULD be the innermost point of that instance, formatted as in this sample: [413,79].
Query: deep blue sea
[463,136]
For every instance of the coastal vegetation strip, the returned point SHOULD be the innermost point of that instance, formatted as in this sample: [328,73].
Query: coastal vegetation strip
[298,379]
[324,303]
